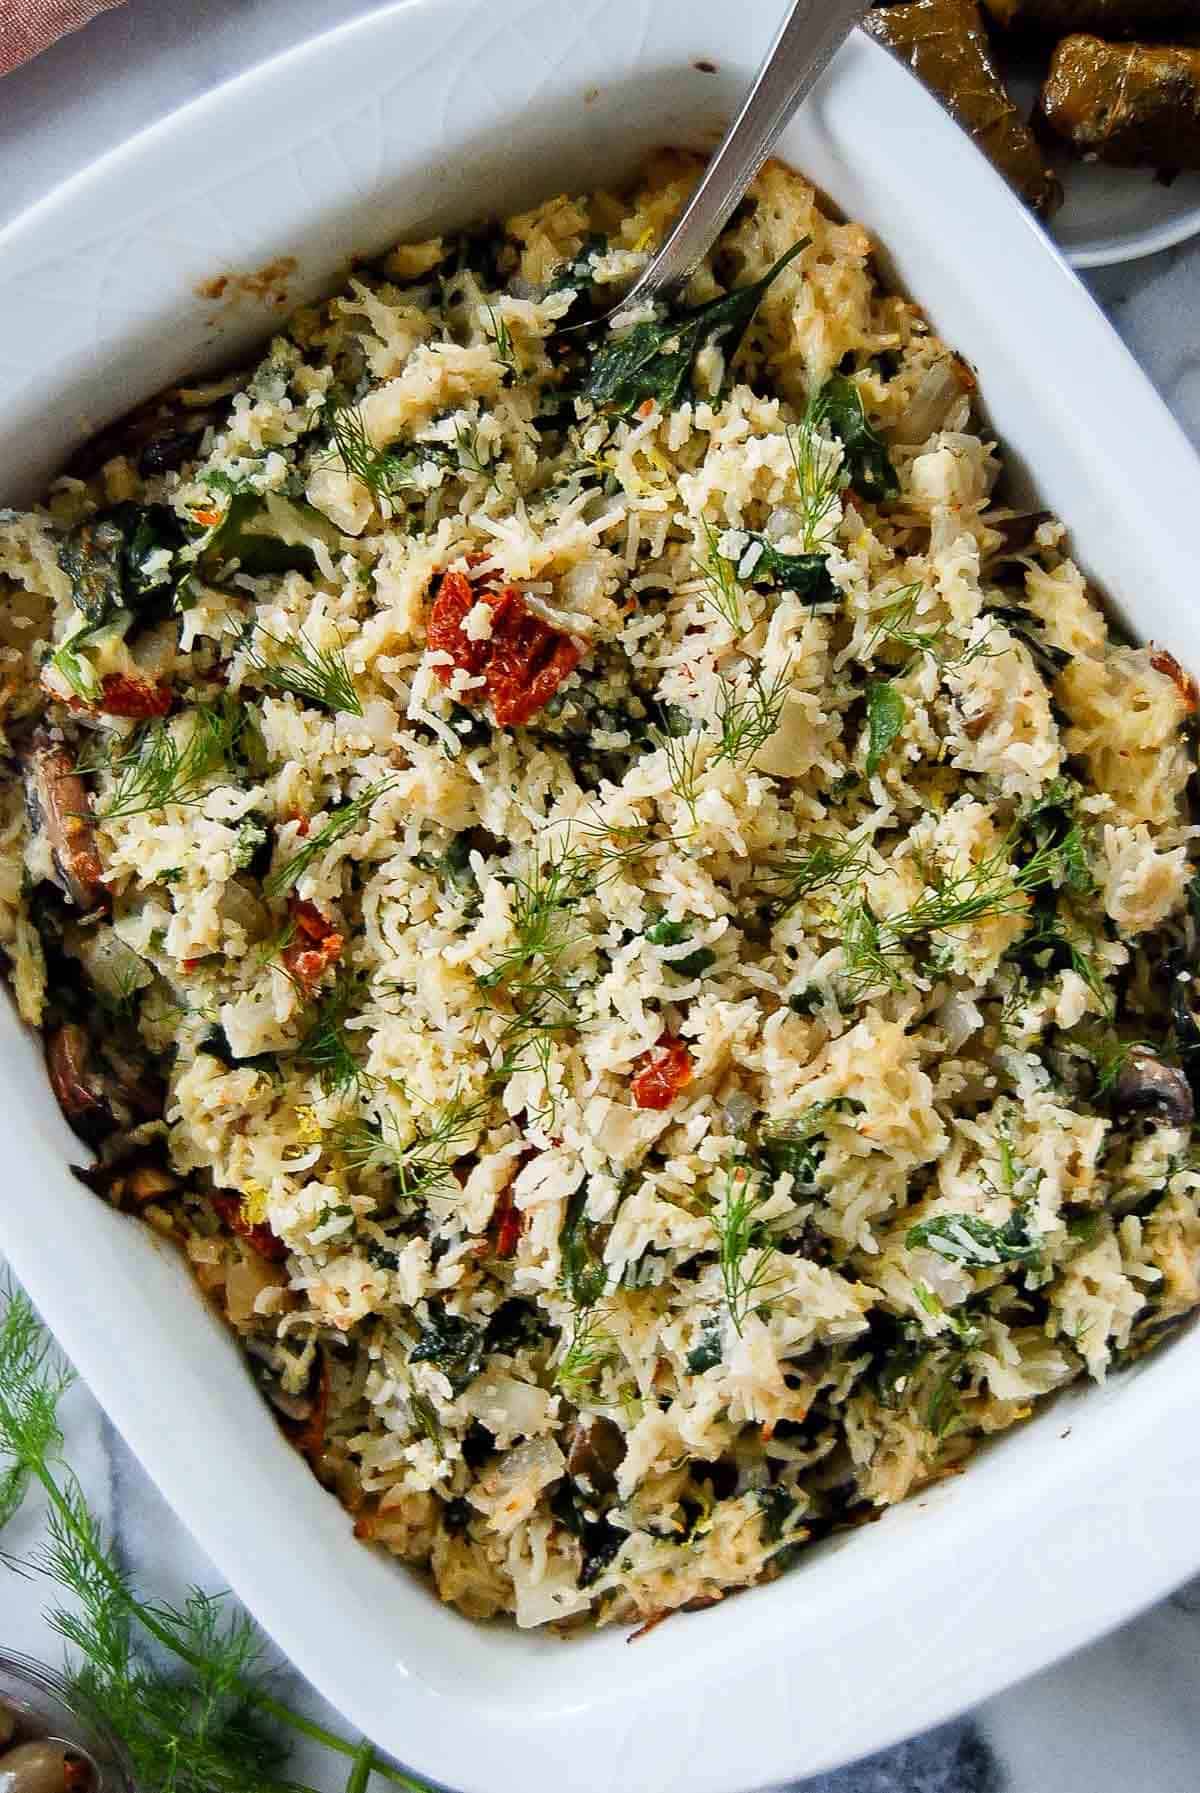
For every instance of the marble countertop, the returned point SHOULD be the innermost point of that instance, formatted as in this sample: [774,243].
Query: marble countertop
[1123,1714]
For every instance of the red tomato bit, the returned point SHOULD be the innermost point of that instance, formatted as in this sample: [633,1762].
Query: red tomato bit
[258,1235]
[123,696]
[664,1073]
[315,946]
[522,663]
[507,1222]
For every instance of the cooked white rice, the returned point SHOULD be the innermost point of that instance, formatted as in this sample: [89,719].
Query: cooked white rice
[886,853]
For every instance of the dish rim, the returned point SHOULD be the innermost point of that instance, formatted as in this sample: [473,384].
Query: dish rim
[773,1699]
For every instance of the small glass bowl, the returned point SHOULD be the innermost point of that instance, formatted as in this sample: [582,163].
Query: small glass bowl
[43,1699]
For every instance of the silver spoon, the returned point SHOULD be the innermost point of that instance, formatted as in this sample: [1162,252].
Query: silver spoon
[808,38]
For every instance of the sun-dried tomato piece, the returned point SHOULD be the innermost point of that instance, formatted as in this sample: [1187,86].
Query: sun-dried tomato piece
[507,1222]
[315,946]
[124,696]
[664,1073]
[523,661]
[257,1234]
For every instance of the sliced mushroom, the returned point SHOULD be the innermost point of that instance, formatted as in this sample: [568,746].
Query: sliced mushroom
[1016,533]
[98,1094]
[1147,1086]
[8,1724]
[164,432]
[595,1452]
[302,1414]
[59,807]
[130,1184]
[78,1088]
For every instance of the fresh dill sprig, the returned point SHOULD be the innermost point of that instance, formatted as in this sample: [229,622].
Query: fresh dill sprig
[747,718]
[501,340]
[826,865]
[820,478]
[384,473]
[873,946]
[471,458]
[556,883]
[745,1251]
[590,1351]
[210,1725]
[319,676]
[421,1161]
[343,821]
[721,589]
[326,1048]
[530,974]
[685,754]
[894,622]
[165,765]
[991,887]
[871,955]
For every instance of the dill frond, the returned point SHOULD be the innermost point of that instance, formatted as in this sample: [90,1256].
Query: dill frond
[383,473]
[722,592]
[820,478]
[203,1720]
[319,676]
[590,1351]
[343,821]
[159,769]
[326,1047]
[826,865]
[744,1249]
[33,1380]
[894,622]
[684,754]
[749,717]
[501,340]
[421,1161]
[871,955]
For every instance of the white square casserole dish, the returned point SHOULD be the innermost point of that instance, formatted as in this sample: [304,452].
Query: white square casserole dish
[425,115]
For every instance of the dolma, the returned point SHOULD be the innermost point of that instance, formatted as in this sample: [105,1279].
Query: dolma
[1135,105]
[945,43]
[1111,18]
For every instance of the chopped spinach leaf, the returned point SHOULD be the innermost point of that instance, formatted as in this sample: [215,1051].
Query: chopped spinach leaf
[706,1353]
[867,462]
[654,359]
[885,719]
[119,559]
[795,1146]
[977,1244]
[1030,629]
[452,1344]
[583,1272]
[807,575]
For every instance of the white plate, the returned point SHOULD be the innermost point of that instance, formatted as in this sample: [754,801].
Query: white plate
[1121,214]
[1109,214]
[427,114]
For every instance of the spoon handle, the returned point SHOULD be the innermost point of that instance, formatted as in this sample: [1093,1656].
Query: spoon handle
[804,45]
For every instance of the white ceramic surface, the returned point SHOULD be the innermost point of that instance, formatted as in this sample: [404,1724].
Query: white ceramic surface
[1108,215]
[420,116]
[1121,214]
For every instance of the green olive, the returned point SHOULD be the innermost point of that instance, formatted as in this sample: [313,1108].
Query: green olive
[34,1768]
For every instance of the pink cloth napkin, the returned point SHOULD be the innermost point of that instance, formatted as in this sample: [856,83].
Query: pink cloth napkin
[29,26]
